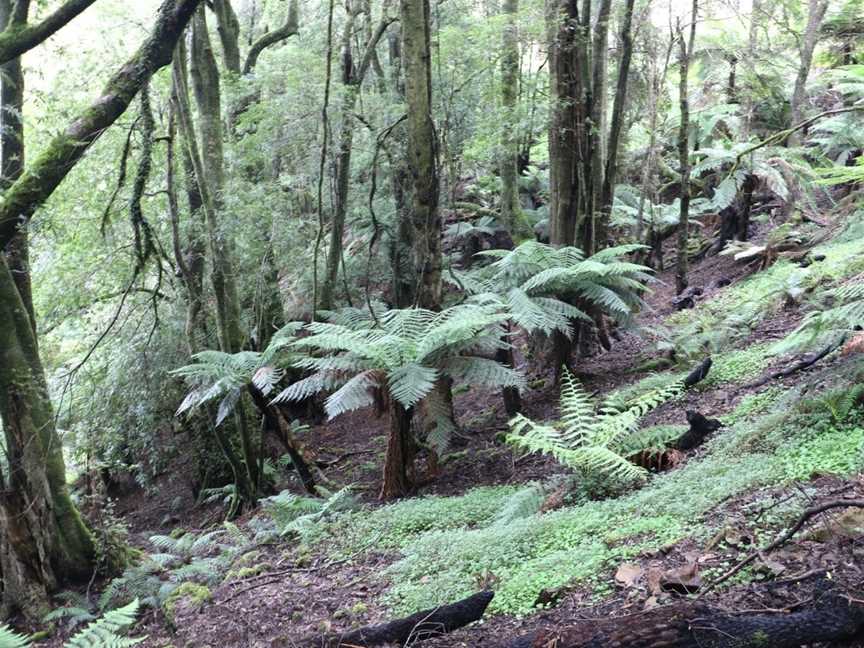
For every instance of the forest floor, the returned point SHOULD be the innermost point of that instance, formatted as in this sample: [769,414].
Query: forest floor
[303,588]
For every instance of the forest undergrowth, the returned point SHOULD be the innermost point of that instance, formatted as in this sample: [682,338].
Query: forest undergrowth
[776,439]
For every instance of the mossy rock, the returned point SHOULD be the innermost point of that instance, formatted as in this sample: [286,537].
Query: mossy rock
[188,596]
[246,572]
[177,533]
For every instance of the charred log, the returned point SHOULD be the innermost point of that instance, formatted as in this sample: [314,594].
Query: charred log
[409,630]
[694,625]
[700,428]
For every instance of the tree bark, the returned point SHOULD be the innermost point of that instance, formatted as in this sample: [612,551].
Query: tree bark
[64,151]
[229,34]
[816,13]
[511,212]
[694,625]
[607,195]
[410,630]
[424,215]
[44,537]
[566,50]
[18,37]
[685,53]
[398,464]
[594,234]
[12,147]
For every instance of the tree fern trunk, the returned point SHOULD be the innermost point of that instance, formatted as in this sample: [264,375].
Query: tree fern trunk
[512,399]
[399,461]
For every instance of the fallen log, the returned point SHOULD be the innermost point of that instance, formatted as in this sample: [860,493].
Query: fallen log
[696,625]
[805,363]
[408,630]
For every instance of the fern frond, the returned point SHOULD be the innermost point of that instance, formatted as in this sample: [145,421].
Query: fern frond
[11,639]
[353,395]
[411,382]
[104,633]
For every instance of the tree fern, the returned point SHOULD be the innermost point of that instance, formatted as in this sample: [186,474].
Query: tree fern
[215,375]
[587,438]
[404,352]
[537,285]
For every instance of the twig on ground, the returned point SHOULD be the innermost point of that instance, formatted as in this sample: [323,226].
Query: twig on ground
[806,515]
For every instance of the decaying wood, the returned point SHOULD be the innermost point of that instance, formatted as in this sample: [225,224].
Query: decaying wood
[700,428]
[409,630]
[800,365]
[699,373]
[695,625]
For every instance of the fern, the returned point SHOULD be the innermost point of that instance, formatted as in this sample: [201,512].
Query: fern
[588,440]
[294,514]
[536,285]
[830,324]
[11,639]
[103,633]
[215,375]
[402,351]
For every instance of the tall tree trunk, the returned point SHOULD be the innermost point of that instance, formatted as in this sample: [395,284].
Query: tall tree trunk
[685,53]
[44,537]
[594,234]
[229,34]
[607,195]
[424,215]
[753,49]
[511,212]
[352,79]
[566,49]
[209,173]
[816,12]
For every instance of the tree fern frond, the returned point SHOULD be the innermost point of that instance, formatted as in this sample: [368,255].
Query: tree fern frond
[482,371]
[411,382]
[354,394]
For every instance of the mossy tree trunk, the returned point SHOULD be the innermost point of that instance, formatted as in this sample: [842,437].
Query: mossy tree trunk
[511,212]
[425,218]
[63,152]
[207,162]
[44,538]
[18,37]
[229,34]
[566,86]
[685,53]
